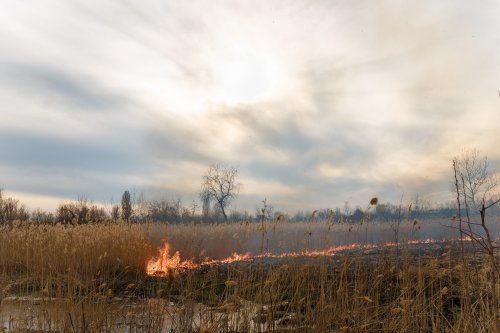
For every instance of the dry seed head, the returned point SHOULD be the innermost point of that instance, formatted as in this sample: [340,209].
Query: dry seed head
[368,299]
[396,310]
[230,283]
[406,302]
[497,287]
[374,201]
[45,291]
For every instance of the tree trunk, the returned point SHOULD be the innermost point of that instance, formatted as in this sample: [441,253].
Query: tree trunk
[223,211]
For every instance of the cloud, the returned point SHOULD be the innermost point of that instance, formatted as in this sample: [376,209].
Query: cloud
[98,167]
[365,99]
[57,87]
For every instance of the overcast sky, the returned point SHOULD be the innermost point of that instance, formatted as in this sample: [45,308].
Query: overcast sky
[315,102]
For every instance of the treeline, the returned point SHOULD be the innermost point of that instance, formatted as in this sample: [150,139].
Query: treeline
[137,210]
[81,211]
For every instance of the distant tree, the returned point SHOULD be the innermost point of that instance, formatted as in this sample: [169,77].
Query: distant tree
[96,214]
[164,210]
[80,212]
[126,206]
[358,215]
[205,208]
[220,184]
[265,211]
[115,213]
[40,216]
[67,213]
[11,210]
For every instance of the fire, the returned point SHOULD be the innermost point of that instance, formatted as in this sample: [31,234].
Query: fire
[165,263]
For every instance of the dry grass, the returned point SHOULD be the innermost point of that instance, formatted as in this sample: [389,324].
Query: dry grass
[75,274]
[195,241]
[63,261]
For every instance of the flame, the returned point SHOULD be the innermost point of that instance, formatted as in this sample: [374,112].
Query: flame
[165,263]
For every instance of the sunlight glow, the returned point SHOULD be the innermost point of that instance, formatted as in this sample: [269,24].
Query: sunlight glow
[245,75]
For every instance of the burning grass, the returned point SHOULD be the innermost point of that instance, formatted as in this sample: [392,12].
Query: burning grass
[304,277]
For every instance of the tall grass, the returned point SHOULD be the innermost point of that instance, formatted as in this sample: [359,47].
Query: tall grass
[197,241]
[64,260]
[90,278]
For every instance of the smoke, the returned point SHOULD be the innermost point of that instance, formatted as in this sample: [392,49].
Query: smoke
[205,242]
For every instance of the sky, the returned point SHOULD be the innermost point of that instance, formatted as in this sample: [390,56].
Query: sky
[315,102]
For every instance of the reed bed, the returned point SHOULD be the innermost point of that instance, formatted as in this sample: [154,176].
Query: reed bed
[91,278]
[198,241]
[65,260]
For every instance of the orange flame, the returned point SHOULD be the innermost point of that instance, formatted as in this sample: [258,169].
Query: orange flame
[164,263]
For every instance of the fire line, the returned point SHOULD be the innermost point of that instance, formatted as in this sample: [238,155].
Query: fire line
[164,262]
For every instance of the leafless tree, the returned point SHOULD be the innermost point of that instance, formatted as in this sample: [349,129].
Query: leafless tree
[11,210]
[79,212]
[205,199]
[474,187]
[220,184]
[475,182]
[40,216]
[126,206]
[115,213]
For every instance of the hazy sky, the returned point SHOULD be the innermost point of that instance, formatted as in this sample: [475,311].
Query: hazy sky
[315,102]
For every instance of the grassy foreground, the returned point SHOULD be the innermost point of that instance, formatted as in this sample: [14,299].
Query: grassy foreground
[90,278]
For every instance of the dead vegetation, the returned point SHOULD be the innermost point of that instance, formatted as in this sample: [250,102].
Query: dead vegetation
[90,278]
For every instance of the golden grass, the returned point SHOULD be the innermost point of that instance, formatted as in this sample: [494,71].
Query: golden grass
[61,260]
[78,270]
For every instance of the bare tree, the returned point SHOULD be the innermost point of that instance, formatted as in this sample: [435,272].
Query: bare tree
[79,212]
[126,206]
[474,180]
[474,187]
[115,213]
[205,199]
[220,184]
[11,210]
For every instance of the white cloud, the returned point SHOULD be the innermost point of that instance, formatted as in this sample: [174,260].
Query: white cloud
[367,97]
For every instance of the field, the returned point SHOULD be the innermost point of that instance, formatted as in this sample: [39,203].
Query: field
[287,277]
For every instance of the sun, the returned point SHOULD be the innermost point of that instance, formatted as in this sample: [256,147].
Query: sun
[245,75]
